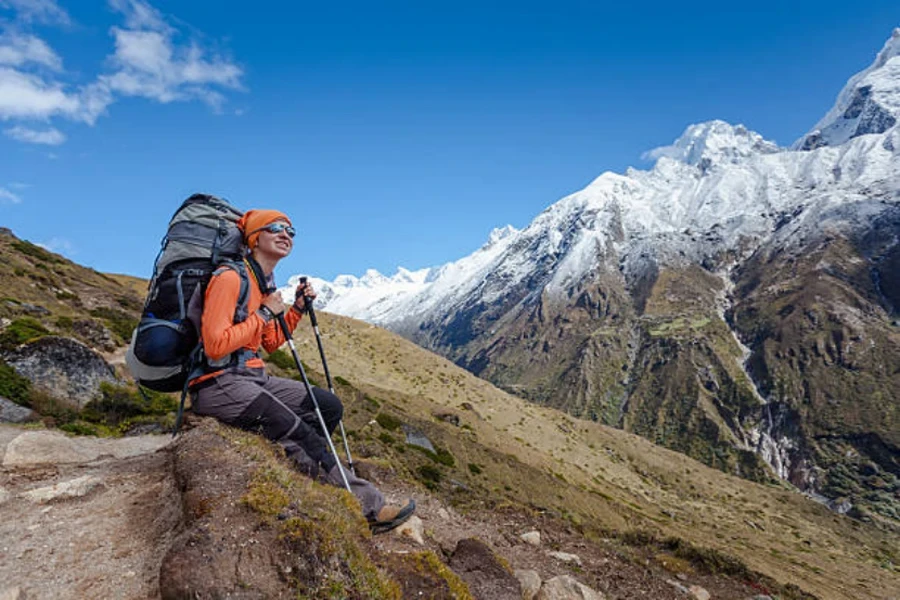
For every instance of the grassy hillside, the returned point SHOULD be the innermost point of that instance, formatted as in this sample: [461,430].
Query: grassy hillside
[41,289]
[495,451]
[599,478]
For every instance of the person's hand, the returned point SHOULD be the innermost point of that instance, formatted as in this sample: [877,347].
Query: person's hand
[304,290]
[275,303]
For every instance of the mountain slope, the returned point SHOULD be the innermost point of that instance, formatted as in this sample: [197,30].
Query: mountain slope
[600,479]
[648,301]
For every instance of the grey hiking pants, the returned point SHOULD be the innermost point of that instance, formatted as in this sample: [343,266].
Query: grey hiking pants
[282,411]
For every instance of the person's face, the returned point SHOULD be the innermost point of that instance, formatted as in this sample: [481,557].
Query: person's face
[276,239]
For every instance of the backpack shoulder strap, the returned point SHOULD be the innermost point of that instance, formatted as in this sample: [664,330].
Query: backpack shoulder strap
[240,312]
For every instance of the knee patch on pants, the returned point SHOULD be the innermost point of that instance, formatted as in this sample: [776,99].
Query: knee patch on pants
[266,414]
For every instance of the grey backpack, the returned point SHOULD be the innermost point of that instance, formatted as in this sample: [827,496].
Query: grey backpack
[202,236]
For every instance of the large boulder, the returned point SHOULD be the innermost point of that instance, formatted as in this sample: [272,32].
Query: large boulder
[64,368]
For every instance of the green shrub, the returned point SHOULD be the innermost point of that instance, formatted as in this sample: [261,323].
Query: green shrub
[281,359]
[63,295]
[130,303]
[430,475]
[439,455]
[64,322]
[13,386]
[386,438]
[118,404]
[20,331]
[389,422]
[119,322]
[475,469]
[34,251]
[340,380]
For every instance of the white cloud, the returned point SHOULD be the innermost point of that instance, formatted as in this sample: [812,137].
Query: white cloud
[667,151]
[59,246]
[50,137]
[27,96]
[39,11]
[7,197]
[140,15]
[148,62]
[18,49]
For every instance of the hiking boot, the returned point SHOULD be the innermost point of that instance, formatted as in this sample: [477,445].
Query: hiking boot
[391,516]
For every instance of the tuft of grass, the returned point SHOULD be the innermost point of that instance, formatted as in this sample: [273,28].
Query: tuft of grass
[439,455]
[120,406]
[22,331]
[428,561]
[34,251]
[430,475]
[389,422]
[13,386]
[281,359]
[119,322]
[340,380]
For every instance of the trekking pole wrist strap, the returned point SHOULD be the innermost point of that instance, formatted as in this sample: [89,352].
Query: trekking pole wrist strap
[266,313]
[299,307]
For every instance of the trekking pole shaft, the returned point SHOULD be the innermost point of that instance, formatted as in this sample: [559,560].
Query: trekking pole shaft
[309,390]
[308,303]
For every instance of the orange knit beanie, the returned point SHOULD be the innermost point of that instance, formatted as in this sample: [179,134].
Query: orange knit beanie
[254,220]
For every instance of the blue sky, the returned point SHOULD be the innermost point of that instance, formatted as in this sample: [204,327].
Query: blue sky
[393,133]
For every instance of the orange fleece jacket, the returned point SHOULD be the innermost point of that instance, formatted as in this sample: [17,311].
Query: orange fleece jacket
[221,335]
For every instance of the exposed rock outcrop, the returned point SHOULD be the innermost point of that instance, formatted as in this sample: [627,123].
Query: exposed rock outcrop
[66,369]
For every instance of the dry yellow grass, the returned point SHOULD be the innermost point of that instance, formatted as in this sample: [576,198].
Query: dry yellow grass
[611,479]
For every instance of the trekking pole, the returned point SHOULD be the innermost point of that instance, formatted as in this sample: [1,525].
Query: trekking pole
[307,301]
[290,341]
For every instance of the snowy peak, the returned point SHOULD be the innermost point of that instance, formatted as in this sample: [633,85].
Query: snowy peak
[869,102]
[499,234]
[714,142]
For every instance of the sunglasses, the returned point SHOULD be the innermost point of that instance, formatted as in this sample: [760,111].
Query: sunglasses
[276,228]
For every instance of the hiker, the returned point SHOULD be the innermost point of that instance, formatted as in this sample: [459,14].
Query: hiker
[235,387]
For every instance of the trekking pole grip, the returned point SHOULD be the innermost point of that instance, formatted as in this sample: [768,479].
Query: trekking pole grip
[308,303]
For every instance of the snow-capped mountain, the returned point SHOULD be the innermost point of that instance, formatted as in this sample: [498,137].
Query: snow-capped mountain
[737,302]
[869,103]
[715,187]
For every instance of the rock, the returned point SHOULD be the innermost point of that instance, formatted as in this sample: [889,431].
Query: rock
[74,488]
[415,437]
[529,581]
[97,335]
[52,447]
[566,557]
[13,593]
[531,537]
[10,412]
[678,586]
[4,495]
[698,592]
[443,513]
[33,309]
[413,529]
[565,587]
[66,369]
[478,566]
[447,417]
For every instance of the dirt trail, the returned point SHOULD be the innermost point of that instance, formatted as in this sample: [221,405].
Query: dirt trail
[100,532]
